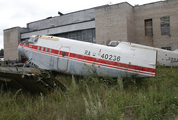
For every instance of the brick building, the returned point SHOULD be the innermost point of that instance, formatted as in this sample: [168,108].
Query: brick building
[154,24]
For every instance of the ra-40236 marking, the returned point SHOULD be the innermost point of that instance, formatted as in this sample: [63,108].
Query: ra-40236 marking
[111,57]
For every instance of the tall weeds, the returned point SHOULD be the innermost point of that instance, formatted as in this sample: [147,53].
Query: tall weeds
[93,98]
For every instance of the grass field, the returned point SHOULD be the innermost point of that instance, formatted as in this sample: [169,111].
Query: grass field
[90,98]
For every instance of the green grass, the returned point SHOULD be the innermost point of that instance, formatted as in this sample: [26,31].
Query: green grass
[1,62]
[91,99]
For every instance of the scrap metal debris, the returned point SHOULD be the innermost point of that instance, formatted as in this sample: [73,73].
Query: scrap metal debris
[28,79]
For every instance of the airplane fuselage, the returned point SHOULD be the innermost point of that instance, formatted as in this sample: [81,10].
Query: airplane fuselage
[80,58]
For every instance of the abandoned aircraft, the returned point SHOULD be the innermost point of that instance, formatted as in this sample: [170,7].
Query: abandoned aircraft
[77,57]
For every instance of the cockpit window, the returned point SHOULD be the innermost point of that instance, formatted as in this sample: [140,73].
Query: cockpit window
[33,39]
[113,43]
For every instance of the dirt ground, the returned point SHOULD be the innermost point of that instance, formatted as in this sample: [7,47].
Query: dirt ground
[176,118]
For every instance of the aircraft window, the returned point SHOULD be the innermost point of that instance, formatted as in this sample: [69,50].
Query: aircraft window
[41,48]
[46,49]
[38,47]
[50,50]
[33,39]
[113,43]
[63,53]
[36,39]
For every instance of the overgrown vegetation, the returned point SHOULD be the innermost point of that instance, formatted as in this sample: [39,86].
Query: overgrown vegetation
[90,98]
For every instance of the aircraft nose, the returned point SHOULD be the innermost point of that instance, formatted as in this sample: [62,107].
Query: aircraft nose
[20,49]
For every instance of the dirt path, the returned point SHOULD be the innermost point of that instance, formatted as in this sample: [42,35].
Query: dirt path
[176,118]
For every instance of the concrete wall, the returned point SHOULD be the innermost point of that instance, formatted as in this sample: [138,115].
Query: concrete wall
[11,41]
[66,19]
[114,22]
[130,24]
[155,11]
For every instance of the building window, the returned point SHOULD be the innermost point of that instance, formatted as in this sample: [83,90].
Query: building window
[166,48]
[165,25]
[87,35]
[148,27]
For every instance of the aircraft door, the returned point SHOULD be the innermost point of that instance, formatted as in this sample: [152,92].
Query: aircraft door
[63,58]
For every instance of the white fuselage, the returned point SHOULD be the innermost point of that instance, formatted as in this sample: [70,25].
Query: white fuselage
[164,57]
[82,58]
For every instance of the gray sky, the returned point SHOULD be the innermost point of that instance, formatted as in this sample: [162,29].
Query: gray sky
[20,12]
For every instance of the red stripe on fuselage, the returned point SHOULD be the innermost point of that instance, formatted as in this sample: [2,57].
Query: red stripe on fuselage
[96,61]
[20,44]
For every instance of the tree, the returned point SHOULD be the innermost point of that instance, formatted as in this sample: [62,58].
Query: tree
[2,52]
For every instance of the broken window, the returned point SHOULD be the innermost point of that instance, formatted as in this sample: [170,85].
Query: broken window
[148,27]
[165,25]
